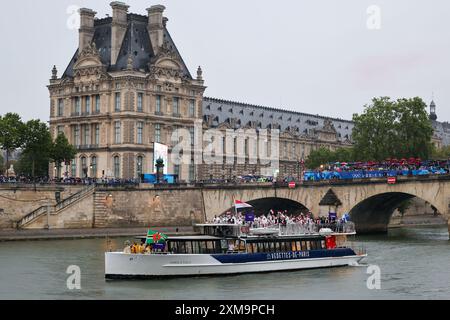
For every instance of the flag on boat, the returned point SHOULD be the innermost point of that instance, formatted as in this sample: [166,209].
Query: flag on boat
[241,205]
[155,237]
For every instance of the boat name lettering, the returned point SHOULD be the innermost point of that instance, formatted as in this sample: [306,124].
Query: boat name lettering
[288,255]
[180,262]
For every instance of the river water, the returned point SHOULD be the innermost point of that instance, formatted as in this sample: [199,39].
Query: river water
[414,264]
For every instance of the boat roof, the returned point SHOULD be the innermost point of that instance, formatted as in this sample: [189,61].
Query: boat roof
[218,225]
[193,238]
[187,238]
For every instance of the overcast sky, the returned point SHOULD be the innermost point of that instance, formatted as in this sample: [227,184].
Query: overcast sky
[312,56]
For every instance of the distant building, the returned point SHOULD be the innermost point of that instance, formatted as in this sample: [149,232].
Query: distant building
[441,135]
[13,156]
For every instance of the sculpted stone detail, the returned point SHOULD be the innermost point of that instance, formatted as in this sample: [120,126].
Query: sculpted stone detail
[89,63]
[329,126]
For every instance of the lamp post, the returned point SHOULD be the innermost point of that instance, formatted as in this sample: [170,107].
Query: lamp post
[159,170]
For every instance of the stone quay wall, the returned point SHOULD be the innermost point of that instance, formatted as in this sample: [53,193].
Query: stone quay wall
[18,201]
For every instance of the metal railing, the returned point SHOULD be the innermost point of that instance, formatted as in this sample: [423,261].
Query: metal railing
[74,198]
[56,208]
[32,216]
[312,228]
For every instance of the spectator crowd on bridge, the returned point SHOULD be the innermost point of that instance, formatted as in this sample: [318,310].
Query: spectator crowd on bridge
[371,169]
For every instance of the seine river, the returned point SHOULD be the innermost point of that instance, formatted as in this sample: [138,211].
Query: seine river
[413,262]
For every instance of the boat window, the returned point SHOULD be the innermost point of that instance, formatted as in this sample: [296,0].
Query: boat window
[277,246]
[264,247]
[242,246]
[271,246]
[308,245]
[315,245]
[249,248]
[193,247]
[260,247]
[203,247]
[324,245]
[293,246]
[224,245]
[319,244]
[299,246]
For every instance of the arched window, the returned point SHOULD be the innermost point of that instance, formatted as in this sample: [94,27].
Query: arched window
[139,166]
[117,167]
[83,168]
[74,168]
[94,167]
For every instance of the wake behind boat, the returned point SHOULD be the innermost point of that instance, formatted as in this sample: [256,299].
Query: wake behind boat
[227,249]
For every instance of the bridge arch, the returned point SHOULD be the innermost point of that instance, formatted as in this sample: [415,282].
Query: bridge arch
[373,214]
[264,205]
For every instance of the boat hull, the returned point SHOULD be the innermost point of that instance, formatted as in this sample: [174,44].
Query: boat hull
[134,266]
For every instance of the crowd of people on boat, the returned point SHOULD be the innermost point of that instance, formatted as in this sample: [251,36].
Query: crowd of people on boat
[141,248]
[278,218]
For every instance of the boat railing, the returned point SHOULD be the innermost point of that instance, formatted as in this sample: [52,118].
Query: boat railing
[296,229]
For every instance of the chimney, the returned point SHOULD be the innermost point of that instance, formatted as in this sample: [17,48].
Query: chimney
[156,26]
[118,28]
[86,27]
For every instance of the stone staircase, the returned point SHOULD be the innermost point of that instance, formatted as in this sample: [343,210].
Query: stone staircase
[54,209]
[100,211]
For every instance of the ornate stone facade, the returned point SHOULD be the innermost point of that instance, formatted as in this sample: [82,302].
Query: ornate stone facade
[125,88]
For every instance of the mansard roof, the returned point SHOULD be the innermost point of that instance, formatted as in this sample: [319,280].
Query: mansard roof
[136,43]
[222,110]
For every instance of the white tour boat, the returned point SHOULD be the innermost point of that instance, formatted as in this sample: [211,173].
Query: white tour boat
[225,249]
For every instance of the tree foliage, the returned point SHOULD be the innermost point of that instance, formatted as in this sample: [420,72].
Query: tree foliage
[441,153]
[393,129]
[62,151]
[11,133]
[37,147]
[323,156]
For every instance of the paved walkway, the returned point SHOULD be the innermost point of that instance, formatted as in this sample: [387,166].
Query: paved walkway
[59,234]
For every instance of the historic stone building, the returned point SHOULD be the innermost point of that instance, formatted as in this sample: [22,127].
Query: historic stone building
[299,134]
[127,87]
[441,136]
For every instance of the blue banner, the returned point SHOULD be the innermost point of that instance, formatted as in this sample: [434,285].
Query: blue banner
[250,217]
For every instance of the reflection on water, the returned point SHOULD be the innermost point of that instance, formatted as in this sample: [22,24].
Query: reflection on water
[413,262]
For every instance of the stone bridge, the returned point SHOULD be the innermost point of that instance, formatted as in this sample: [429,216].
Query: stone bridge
[370,203]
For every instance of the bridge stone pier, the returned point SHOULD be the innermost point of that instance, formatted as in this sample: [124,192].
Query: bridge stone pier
[370,203]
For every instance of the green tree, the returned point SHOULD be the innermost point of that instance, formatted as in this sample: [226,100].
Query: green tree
[62,151]
[323,156]
[37,148]
[441,153]
[387,129]
[414,129]
[11,134]
[319,157]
